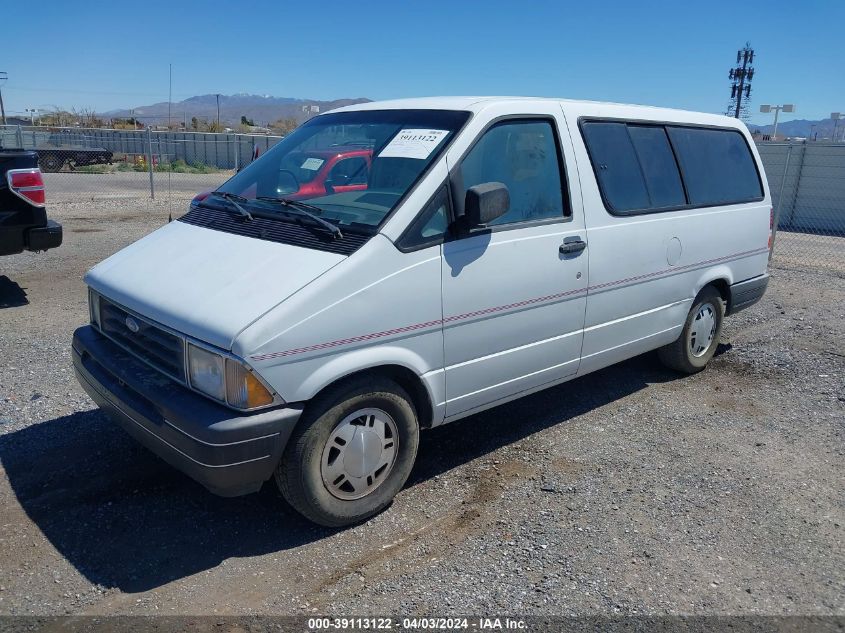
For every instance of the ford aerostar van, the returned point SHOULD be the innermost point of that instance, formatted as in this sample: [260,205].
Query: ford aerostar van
[491,247]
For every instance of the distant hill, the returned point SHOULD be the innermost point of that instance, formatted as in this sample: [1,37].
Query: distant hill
[261,109]
[803,128]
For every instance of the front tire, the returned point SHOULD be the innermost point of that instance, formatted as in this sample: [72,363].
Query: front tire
[351,453]
[700,337]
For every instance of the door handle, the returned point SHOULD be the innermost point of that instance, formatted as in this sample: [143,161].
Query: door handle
[575,246]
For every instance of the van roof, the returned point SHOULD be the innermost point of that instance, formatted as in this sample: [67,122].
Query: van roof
[597,108]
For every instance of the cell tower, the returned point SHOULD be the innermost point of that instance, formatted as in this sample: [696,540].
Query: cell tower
[741,76]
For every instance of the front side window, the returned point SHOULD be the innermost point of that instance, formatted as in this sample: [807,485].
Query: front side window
[523,155]
[383,153]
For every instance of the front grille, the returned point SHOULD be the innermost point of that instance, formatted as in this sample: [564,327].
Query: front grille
[158,347]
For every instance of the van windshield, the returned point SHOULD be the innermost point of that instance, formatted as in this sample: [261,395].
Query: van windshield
[354,166]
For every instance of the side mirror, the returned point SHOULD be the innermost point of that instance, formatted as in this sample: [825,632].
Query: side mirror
[286,183]
[485,202]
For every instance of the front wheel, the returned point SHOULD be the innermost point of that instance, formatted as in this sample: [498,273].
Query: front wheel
[351,453]
[700,337]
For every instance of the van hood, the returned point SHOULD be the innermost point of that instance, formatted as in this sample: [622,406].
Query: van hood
[205,283]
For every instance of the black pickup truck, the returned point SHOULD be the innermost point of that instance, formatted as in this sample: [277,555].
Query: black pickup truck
[23,219]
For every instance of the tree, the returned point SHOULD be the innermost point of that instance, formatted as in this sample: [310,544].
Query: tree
[285,126]
[195,124]
[247,122]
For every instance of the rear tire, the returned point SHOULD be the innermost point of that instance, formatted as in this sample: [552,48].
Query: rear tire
[50,163]
[699,339]
[351,453]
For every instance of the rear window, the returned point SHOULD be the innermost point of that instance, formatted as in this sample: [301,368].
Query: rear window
[717,166]
[647,168]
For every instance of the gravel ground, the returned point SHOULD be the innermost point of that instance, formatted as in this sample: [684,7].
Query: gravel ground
[628,491]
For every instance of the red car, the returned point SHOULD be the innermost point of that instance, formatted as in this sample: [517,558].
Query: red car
[335,170]
[315,173]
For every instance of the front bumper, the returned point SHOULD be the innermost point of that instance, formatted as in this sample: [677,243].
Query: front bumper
[227,452]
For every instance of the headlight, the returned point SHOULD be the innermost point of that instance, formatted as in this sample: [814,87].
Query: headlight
[225,379]
[243,389]
[94,307]
[206,372]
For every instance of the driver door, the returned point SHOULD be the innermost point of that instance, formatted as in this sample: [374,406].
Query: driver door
[513,300]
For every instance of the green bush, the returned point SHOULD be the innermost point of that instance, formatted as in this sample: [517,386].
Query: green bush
[179,166]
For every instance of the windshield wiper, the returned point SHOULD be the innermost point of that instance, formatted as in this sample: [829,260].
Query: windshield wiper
[303,208]
[234,198]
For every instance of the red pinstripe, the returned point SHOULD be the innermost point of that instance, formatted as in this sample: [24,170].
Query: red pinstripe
[502,308]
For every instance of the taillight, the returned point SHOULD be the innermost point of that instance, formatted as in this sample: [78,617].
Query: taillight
[27,184]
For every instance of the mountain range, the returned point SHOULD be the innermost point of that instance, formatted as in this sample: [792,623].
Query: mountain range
[803,128]
[260,109]
[265,109]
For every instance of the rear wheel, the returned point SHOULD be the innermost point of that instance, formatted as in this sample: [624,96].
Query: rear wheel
[352,452]
[50,162]
[700,337]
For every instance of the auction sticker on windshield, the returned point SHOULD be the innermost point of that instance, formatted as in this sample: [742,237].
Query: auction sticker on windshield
[413,143]
[313,164]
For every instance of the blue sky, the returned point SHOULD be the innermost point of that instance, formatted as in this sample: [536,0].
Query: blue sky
[107,55]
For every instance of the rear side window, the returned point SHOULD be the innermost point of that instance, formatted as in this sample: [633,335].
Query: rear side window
[717,166]
[659,167]
[617,168]
[646,168]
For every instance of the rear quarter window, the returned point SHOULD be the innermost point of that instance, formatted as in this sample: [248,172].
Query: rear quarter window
[717,166]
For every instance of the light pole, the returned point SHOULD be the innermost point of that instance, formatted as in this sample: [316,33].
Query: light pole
[787,107]
[835,116]
[32,113]
[3,77]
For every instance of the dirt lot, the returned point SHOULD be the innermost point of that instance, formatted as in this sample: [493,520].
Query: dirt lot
[629,491]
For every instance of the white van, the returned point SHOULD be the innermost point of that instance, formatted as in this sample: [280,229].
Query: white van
[459,253]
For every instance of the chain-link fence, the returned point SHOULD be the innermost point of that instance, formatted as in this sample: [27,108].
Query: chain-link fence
[807,181]
[163,170]
[145,169]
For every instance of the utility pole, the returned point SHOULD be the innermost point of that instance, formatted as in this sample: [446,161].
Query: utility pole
[169,95]
[218,113]
[765,109]
[835,116]
[3,77]
[741,76]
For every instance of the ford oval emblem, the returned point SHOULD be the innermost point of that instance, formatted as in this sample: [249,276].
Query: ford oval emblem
[132,324]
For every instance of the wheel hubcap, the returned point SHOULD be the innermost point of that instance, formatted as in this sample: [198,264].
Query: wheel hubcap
[359,454]
[702,330]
